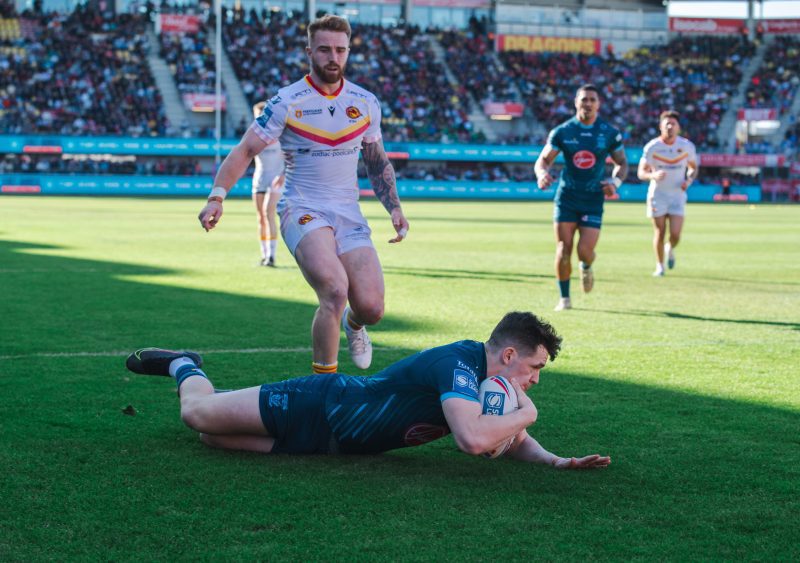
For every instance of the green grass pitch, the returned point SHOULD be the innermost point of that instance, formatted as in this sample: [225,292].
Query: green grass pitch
[690,382]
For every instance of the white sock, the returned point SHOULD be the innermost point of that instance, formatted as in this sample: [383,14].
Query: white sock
[273,246]
[178,363]
[264,250]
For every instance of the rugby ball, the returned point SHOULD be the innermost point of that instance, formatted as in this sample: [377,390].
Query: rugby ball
[497,397]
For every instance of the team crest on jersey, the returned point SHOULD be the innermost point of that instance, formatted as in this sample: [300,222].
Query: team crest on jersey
[298,113]
[305,219]
[422,433]
[353,112]
[584,160]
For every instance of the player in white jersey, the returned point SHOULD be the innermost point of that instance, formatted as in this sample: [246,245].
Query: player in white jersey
[268,180]
[323,122]
[669,162]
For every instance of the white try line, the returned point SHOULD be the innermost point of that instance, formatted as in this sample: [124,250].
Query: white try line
[304,350]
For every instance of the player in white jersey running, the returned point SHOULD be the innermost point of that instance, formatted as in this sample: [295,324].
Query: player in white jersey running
[268,180]
[323,122]
[669,162]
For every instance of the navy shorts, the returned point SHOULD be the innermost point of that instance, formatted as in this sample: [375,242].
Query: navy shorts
[293,412]
[586,211]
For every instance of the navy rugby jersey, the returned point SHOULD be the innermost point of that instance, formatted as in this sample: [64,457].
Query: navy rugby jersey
[401,406]
[585,149]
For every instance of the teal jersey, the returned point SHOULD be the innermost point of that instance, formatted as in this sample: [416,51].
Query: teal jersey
[401,406]
[585,149]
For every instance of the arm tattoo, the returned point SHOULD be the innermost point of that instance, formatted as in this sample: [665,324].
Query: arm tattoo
[381,175]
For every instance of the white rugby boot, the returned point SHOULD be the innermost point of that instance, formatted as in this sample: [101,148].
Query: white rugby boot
[358,343]
[563,304]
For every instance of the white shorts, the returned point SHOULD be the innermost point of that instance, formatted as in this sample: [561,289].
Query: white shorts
[350,228]
[263,183]
[666,203]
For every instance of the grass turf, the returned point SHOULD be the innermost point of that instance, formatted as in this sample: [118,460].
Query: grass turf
[689,382]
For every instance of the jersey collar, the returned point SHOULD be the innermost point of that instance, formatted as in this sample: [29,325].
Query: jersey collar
[320,92]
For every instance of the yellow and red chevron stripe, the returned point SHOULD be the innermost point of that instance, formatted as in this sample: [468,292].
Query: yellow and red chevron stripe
[671,160]
[330,138]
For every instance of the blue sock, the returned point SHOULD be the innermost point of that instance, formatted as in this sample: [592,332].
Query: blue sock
[563,287]
[186,371]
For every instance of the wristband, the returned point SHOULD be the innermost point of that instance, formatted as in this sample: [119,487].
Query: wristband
[217,194]
[616,181]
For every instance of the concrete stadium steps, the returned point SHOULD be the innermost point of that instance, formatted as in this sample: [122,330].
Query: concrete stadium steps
[239,109]
[727,126]
[173,105]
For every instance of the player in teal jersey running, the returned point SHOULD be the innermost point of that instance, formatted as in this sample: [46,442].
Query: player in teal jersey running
[414,401]
[586,141]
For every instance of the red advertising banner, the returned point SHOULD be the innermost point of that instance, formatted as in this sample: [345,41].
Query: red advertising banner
[705,25]
[781,26]
[757,114]
[729,160]
[179,23]
[203,102]
[503,108]
[540,44]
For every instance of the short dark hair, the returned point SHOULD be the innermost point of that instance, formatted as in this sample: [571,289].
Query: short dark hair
[328,22]
[669,113]
[589,88]
[526,331]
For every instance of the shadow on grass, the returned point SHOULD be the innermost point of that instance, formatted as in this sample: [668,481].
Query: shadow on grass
[67,305]
[683,316]
[437,273]
[708,477]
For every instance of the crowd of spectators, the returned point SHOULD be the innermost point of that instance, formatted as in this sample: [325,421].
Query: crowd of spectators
[776,81]
[471,58]
[82,73]
[267,51]
[698,76]
[473,171]
[84,164]
[191,61]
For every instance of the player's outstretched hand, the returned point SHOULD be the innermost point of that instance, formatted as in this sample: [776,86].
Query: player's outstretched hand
[210,215]
[400,224]
[609,189]
[594,461]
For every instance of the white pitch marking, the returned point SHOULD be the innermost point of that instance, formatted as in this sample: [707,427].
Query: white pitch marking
[305,350]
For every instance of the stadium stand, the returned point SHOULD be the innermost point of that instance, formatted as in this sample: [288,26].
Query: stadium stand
[697,75]
[82,73]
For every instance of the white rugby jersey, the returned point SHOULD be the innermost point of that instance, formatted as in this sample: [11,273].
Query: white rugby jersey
[672,159]
[269,163]
[321,137]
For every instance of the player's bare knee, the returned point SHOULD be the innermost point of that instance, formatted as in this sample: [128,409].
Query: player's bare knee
[370,313]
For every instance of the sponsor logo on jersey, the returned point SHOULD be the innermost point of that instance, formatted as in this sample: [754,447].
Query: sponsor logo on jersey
[586,134]
[571,141]
[279,400]
[301,93]
[275,100]
[332,109]
[263,118]
[584,160]
[422,433]
[465,381]
[493,403]
[305,219]
[353,112]
[358,94]
[298,113]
